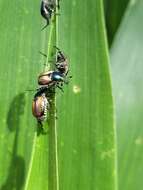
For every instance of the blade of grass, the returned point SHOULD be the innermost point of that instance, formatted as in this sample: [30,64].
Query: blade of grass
[127,66]
[87,151]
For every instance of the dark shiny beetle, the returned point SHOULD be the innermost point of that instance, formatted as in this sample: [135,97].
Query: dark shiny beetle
[48,7]
[49,78]
[57,77]
[40,106]
[61,62]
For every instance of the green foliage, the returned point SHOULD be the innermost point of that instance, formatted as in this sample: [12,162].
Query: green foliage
[85,111]
[127,66]
[86,133]
[20,63]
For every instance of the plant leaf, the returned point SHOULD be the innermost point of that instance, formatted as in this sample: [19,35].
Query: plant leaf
[86,138]
[45,145]
[126,58]
[86,133]
[25,156]
[20,62]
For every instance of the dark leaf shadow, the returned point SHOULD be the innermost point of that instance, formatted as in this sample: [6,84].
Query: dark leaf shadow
[15,111]
[16,175]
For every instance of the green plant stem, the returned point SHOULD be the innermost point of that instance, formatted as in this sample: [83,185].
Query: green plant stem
[49,44]
[53,151]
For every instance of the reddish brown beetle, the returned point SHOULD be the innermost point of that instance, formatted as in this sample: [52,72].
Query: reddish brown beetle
[40,105]
[45,78]
[51,78]
[57,77]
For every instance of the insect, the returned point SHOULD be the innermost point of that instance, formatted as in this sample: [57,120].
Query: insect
[48,7]
[51,78]
[40,106]
[57,77]
[61,62]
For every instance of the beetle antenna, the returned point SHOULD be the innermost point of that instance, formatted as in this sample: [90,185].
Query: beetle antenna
[45,25]
[60,88]
[57,48]
[60,52]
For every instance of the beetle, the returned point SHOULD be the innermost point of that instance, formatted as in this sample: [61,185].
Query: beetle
[57,77]
[45,78]
[61,62]
[48,7]
[40,106]
[49,79]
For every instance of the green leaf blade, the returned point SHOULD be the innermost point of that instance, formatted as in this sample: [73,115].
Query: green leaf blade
[86,134]
[25,156]
[18,67]
[86,124]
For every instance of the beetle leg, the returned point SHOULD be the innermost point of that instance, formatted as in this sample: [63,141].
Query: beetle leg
[43,54]
[42,88]
[60,88]
[61,84]
[67,72]
[45,25]
[60,52]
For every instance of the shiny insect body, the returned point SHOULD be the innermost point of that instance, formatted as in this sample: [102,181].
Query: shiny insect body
[40,107]
[57,77]
[45,78]
[50,78]
[48,7]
